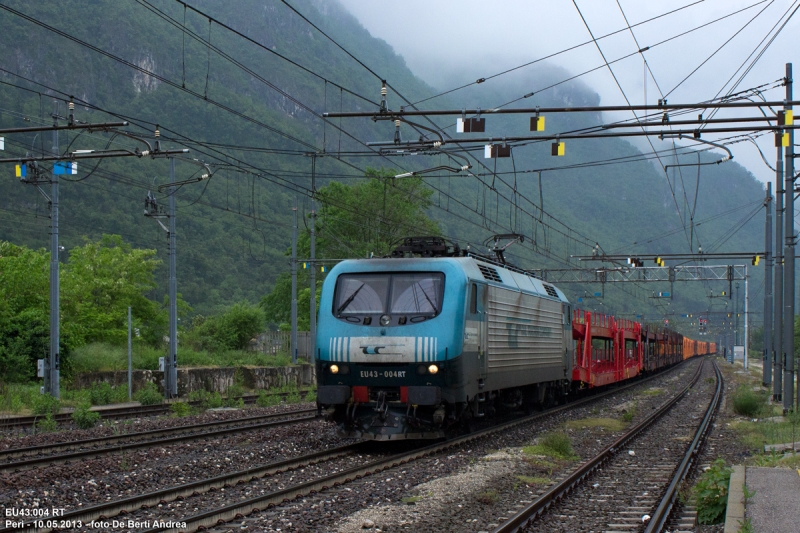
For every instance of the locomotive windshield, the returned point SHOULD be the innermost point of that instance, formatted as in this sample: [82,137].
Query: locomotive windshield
[417,293]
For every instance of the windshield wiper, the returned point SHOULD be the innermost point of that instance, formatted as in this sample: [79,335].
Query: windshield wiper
[349,299]
[433,305]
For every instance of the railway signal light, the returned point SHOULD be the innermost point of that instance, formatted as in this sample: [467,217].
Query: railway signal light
[785,117]
[659,261]
[492,151]
[470,125]
[635,261]
[781,140]
[557,149]
[756,259]
[537,123]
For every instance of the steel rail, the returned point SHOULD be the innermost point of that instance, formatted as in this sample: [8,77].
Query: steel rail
[12,453]
[85,454]
[244,507]
[658,519]
[531,512]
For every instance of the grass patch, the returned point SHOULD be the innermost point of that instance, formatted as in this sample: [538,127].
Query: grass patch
[98,356]
[747,402]
[489,497]
[100,393]
[627,416]
[17,398]
[610,424]
[757,434]
[556,445]
[531,481]
[653,391]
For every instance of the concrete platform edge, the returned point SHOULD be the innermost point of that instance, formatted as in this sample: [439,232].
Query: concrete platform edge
[734,515]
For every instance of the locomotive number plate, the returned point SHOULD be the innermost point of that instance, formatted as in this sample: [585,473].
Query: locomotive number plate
[383,374]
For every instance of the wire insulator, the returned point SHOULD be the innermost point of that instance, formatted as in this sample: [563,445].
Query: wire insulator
[144,153]
[71,105]
[383,91]
[158,132]
[437,144]
[397,123]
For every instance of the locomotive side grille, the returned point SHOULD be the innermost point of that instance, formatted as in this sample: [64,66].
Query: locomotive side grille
[525,333]
[489,273]
[550,290]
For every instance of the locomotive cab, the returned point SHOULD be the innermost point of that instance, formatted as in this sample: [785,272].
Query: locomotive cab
[388,331]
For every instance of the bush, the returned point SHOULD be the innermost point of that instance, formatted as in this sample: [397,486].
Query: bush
[149,395]
[47,423]
[180,409]
[200,396]
[293,397]
[234,391]
[267,400]
[215,400]
[100,393]
[311,396]
[710,493]
[44,404]
[231,330]
[747,402]
[84,417]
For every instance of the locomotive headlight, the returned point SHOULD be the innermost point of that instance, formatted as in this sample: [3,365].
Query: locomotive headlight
[334,369]
[433,369]
[385,320]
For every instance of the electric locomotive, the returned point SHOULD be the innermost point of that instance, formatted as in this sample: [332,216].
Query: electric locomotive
[412,347]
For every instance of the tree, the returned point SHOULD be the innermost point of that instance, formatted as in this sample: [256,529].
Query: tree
[370,216]
[232,330]
[357,220]
[24,315]
[99,282]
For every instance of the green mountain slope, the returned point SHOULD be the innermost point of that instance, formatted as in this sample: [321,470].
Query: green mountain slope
[234,228]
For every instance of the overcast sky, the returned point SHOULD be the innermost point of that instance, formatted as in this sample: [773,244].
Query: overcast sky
[483,38]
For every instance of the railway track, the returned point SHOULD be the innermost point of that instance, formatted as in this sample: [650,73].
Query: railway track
[256,487]
[115,413]
[632,484]
[87,448]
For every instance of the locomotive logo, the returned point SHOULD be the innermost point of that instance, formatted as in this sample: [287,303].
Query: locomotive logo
[368,350]
[383,349]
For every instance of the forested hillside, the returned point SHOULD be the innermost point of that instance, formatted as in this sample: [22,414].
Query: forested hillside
[252,106]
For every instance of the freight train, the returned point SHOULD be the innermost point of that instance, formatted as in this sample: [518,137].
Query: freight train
[422,343]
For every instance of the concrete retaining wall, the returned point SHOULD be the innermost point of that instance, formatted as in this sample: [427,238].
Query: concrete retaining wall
[210,379]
